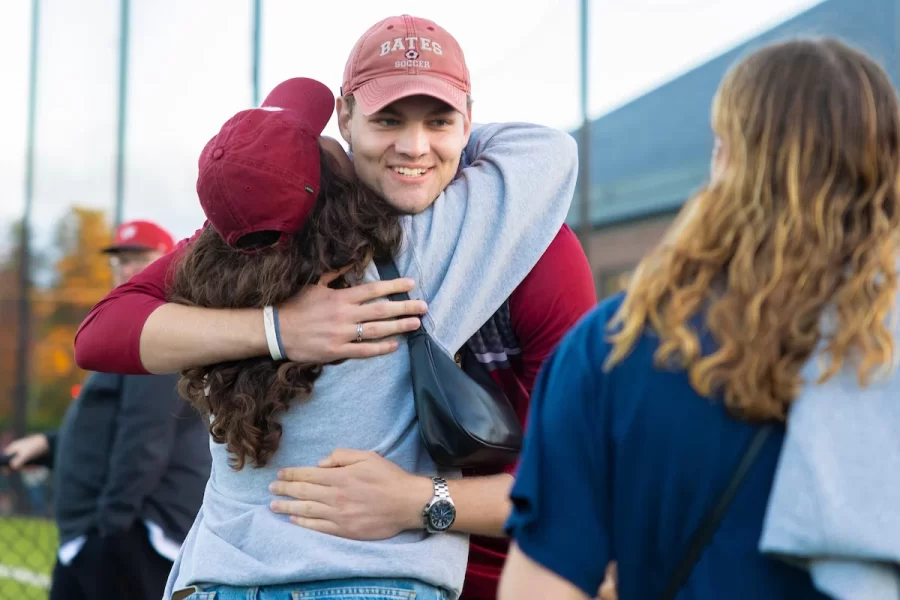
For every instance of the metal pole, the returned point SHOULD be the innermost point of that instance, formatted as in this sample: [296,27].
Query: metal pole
[124,18]
[23,362]
[257,17]
[584,142]
[23,339]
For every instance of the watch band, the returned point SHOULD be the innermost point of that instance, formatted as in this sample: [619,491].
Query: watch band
[441,492]
[441,489]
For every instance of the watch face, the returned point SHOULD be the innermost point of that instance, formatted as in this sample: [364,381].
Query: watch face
[442,515]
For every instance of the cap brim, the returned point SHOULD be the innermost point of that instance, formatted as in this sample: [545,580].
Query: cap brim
[374,95]
[311,100]
[126,248]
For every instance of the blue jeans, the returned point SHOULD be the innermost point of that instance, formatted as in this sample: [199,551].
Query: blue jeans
[337,589]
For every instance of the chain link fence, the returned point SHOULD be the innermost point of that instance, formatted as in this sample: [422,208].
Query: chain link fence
[28,540]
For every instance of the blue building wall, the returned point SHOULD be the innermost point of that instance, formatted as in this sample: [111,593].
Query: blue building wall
[648,156]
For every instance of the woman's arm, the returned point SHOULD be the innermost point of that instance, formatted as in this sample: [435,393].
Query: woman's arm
[524,579]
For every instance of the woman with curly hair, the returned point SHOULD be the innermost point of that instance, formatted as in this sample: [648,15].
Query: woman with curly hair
[284,212]
[658,420]
[346,228]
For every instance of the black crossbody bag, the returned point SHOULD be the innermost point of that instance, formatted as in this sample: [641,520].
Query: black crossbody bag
[466,421]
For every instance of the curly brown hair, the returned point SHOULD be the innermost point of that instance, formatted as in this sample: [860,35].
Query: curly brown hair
[348,227]
[800,226]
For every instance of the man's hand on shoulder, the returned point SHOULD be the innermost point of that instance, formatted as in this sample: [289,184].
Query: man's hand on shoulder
[321,324]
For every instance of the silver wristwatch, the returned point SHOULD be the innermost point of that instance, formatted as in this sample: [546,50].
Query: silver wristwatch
[440,512]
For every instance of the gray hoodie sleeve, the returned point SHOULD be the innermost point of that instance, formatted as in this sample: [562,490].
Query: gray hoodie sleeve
[490,226]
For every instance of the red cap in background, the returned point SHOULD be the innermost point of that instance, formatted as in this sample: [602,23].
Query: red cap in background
[141,236]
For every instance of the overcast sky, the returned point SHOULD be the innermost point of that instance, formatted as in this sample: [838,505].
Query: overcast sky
[190,69]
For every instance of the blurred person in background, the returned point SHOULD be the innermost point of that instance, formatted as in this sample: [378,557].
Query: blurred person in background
[130,463]
[406,90]
[645,411]
[36,481]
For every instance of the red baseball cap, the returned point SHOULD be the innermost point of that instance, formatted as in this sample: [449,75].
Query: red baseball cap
[406,56]
[261,171]
[141,236]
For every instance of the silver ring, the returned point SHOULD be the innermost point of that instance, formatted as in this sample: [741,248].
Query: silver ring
[359,333]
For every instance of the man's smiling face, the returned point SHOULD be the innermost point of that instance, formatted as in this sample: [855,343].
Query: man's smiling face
[407,152]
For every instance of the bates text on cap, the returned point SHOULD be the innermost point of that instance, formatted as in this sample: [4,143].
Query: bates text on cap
[421,44]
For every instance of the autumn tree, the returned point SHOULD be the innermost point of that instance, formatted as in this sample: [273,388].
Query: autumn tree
[81,277]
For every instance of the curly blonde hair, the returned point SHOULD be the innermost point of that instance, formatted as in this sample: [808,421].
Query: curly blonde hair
[801,222]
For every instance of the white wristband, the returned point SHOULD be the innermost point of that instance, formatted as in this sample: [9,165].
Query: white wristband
[271,333]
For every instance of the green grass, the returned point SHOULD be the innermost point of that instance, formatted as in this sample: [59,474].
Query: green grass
[27,545]
[13,590]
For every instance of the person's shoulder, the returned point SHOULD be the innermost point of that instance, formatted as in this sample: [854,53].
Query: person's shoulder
[589,338]
[565,251]
[566,241]
[605,311]
[561,281]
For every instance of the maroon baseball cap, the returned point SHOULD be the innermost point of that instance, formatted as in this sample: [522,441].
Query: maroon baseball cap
[140,236]
[406,56]
[260,173]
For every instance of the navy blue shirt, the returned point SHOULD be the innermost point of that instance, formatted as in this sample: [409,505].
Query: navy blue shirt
[623,465]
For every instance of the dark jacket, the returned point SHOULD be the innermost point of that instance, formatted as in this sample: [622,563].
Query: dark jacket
[129,449]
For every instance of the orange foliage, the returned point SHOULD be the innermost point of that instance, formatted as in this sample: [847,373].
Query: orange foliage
[80,278]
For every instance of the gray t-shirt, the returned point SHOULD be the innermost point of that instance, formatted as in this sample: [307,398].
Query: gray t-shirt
[835,502]
[467,253]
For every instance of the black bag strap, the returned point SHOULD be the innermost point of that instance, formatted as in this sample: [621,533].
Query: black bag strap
[710,523]
[387,270]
